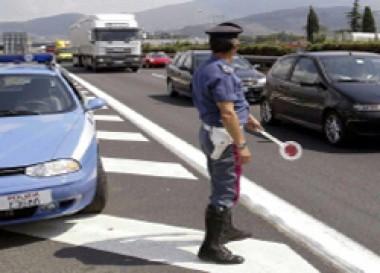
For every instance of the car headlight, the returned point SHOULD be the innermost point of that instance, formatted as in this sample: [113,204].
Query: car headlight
[367,107]
[53,168]
[262,81]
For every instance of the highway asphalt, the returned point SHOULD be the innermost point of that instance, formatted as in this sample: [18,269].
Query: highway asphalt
[338,186]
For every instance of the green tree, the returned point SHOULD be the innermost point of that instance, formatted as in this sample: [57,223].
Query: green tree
[368,24]
[354,17]
[312,27]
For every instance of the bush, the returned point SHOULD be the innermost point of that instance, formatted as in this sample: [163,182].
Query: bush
[350,46]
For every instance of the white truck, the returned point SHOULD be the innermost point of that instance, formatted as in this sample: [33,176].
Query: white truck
[107,41]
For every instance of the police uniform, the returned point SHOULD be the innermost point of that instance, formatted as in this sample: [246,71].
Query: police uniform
[215,81]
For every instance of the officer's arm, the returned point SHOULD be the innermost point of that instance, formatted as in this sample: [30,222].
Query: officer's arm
[231,121]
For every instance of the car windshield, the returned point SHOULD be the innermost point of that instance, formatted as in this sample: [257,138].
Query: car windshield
[201,58]
[33,95]
[352,68]
[158,55]
[116,34]
[240,63]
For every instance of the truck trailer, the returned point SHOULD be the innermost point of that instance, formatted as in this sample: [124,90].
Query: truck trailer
[16,43]
[106,41]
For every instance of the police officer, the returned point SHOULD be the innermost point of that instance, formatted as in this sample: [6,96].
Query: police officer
[224,111]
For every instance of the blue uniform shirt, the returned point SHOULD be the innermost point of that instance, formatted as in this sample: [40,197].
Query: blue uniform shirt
[215,81]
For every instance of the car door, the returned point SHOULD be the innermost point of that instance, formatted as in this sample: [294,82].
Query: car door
[279,86]
[174,71]
[186,74]
[308,92]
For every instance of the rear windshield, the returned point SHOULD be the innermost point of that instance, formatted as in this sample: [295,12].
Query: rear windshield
[33,95]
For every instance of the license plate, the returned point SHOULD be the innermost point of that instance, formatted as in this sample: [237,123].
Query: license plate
[118,62]
[25,200]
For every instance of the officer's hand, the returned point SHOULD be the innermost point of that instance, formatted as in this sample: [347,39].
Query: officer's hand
[253,125]
[245,156]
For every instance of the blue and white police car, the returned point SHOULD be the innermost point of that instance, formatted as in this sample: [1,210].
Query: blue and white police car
[49,157]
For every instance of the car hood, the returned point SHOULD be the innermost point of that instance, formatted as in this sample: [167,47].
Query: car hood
[364,93]
[248,73]
[27,140]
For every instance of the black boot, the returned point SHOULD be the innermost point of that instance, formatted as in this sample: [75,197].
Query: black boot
[231,233]
[212,248]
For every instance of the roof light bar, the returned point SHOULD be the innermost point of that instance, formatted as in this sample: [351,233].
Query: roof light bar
[45,58]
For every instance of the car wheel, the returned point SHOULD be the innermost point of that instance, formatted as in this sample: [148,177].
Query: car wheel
[266,113]
[135,69]
[170,89]
[334,129]
[101,194]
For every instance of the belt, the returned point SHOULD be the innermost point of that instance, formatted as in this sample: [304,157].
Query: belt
[210,128]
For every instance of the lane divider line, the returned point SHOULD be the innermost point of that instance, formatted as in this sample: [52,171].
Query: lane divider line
[108,118]
[159,76]
[342,252]
[121,136]
[148,168]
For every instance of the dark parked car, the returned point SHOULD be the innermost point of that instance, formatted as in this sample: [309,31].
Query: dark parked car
[337,93]
[179,74]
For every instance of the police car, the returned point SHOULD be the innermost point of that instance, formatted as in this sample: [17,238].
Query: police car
[49,157]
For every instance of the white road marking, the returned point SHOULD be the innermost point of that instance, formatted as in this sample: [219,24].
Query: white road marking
[159,76]
[149,168]
[107,118]
[121,136]
[163,243]
[85,92]
[90,98]
[343,252]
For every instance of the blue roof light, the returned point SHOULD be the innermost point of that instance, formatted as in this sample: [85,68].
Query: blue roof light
[38,58]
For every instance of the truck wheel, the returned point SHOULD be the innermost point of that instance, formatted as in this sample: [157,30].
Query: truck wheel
[101,194]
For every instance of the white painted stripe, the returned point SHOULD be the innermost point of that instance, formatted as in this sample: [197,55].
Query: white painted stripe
[149,168]
[84,92]
[163,243]
[107,118]
[121,136]
[343,252]
[90,98]
[84,140]
[159,76]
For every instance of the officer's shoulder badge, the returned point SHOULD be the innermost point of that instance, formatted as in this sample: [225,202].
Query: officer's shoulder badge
[226,68]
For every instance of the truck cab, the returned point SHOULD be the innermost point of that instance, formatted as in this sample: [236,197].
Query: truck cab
[107,41]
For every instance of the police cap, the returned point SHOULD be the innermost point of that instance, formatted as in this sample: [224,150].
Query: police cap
[225,30]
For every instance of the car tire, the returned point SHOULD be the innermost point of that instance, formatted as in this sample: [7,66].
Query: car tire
[99,202]
[266,113]
[135,69]
[334,129]
[170,89]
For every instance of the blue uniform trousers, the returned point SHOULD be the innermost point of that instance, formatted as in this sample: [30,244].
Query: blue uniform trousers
[224,172]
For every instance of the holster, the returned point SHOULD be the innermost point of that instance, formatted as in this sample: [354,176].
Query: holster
[221,139]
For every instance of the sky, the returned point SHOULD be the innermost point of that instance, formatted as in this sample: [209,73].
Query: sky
[20,10]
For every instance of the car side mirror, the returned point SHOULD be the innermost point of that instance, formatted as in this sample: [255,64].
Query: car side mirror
[94,104]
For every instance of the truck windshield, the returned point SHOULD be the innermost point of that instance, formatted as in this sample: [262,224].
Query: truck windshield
[115,34]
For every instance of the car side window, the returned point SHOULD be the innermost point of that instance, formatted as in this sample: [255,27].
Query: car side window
[305,71]
[176,58]
[282,68]
[180,60]
[188,62]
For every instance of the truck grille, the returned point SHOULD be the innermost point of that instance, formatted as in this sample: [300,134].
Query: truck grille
[119,50]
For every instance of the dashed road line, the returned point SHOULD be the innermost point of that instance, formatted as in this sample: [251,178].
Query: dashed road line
[121,136]
[342,252]
[147,168]
[159,76]
[112,118]
[163,243]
